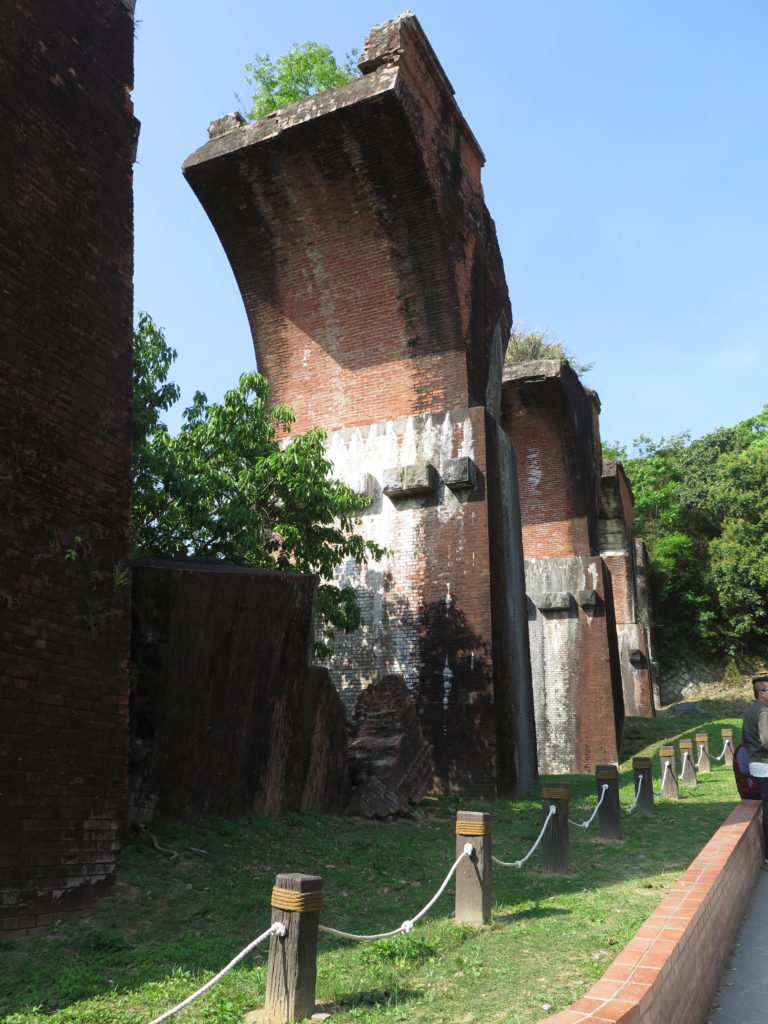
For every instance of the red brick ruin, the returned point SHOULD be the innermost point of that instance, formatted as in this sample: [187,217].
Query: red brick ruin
[588,615]
[66,251]
[355,225]
[369,267]
[506,630]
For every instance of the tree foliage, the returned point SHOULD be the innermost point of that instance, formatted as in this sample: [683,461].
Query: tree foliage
[525,346]
[226,488]
[702,507]
[306,69]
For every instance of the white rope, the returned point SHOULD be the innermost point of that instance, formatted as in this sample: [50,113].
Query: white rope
[726,744]
[519,863]
[276,929]
[406,926]
[701,754]
[664,777]
[640,778]
[682,767]
[588,822]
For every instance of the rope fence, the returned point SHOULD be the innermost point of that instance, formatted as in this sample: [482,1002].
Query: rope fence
[274,929]
[667,773]
[726,754]
[638,790]
[407,926]
[519,863]
[297,899]
[591,818]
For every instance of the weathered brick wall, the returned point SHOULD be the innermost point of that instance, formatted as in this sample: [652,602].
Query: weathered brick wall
[645,614]
[356,228]
[620,553]
[549,417]
[66,154]
[429,607]
[552,422]
[620,567]
[574,663]
[368,264]
[228,717]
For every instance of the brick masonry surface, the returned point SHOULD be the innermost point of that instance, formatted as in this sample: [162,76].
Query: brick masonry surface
[548,416]
[669,972]
[429,607]
[624,559]
[574,664]
[66,155]
[368,264]
[228,717]
[551,420]
[357,231]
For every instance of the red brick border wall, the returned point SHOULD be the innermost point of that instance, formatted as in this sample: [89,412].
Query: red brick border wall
[670,971]
[66,243]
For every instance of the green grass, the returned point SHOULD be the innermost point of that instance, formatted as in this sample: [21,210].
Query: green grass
[174,923]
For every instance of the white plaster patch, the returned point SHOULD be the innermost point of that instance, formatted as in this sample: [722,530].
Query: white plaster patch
[389,642]
[533,471]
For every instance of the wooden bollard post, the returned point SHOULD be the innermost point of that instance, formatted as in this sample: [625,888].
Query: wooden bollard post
[727,735]
[641,766]
[688,768]
[474,873]
[292,965]
[668,777]
[703,762]
[610,809]
[554,845]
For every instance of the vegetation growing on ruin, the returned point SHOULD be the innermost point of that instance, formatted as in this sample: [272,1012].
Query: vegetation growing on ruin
[175,922]
[306,69]
[525,346]
[702,507]
[226,488]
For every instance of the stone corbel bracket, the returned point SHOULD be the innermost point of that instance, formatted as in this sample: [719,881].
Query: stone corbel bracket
[417,480]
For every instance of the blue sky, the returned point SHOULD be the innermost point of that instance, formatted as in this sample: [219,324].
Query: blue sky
[626,170]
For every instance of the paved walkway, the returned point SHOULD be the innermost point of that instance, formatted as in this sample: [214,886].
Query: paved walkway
[743,995]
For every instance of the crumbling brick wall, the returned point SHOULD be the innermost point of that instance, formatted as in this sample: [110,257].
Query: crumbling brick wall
[66,154]
[551,420]
[228,717]
[618,549]
[355,224]
[368,264]
[428,609]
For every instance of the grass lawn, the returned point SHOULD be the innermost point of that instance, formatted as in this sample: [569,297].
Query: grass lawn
[174,923]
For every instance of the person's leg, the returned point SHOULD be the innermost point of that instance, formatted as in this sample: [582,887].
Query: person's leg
[764,798]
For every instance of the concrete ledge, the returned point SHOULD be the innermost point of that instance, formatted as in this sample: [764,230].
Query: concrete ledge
[670,971]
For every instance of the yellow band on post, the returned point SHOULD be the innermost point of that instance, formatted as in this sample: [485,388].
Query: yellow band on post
[473,828]
[301,902]
[555,792]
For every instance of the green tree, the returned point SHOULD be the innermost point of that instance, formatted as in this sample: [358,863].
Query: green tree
[702,507]
[306,69]
[738,551]
[230,486]
[525,346]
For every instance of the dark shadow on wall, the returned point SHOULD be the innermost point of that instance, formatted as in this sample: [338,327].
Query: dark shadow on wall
[455,701]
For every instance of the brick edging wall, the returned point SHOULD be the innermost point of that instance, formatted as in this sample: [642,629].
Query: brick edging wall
[670,971]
